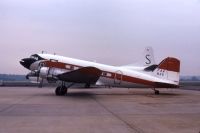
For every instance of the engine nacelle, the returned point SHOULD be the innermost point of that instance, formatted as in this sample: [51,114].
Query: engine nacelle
[44,72]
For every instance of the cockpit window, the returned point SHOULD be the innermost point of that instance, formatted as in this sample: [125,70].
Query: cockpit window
[36,57]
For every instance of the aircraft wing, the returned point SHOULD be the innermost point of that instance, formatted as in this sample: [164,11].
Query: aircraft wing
[88,75]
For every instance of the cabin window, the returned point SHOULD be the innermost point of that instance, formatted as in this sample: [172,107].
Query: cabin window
[104,74]
[67,66]
[75,67]
[109,74]
[72,67]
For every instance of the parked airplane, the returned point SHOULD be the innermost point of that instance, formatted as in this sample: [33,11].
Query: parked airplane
[75,71]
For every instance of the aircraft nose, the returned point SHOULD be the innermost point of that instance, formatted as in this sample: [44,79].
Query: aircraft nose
[26,62]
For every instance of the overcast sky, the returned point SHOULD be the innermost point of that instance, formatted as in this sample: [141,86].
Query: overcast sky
[113,32]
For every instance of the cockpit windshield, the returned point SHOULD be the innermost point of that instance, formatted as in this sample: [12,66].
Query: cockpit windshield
[36,57]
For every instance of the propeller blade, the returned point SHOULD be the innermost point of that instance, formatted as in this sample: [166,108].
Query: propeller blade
[41,83]
[27,76]
[37,78]
[38,74]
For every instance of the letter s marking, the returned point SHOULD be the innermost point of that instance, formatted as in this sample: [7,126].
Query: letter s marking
[148,60]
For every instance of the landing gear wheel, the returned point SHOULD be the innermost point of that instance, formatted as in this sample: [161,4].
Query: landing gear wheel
[61,91]
[57,91]
[157,92]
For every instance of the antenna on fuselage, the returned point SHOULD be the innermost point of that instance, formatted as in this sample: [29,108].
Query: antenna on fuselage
[43,52]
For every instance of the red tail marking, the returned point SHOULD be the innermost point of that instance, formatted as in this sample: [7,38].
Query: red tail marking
[170,64]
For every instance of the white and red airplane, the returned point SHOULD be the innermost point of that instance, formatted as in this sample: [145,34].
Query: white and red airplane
[74,71]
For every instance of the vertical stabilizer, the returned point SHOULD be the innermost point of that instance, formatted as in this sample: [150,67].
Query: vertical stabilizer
[148,58]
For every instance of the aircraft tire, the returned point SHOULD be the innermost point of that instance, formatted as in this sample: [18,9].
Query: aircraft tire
[157,92]
[61,91]
[57,91]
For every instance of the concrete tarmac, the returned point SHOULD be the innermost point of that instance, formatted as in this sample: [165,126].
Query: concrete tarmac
[38,110]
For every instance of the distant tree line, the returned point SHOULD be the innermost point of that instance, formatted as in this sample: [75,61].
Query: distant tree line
[10,77]
[190,78]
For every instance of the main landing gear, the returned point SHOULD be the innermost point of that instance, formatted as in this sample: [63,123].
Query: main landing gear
[156,91]
[62,89]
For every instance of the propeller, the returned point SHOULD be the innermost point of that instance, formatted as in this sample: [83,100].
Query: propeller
[27,76]
[37,73]
[41,83]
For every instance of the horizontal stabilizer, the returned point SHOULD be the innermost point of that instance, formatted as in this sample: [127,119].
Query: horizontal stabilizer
[88,75]
[151,68]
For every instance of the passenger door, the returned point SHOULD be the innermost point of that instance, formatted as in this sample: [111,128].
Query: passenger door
[118,77]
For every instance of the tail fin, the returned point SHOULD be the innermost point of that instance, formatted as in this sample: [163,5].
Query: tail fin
[169,69]
[148,58]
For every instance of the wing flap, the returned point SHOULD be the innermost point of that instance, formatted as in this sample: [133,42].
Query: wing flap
[88,75]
